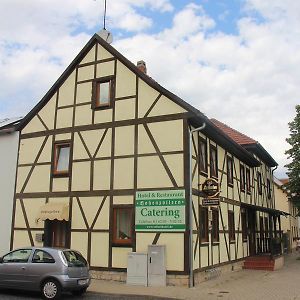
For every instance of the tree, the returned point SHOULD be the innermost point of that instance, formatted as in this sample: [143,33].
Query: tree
[293,153]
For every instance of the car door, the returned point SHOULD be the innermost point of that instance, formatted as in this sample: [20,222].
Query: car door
[41,265]
[13,269]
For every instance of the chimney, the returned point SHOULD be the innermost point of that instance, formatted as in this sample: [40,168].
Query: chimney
[142,66]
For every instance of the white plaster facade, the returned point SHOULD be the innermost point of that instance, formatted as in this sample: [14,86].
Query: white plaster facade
[9,141]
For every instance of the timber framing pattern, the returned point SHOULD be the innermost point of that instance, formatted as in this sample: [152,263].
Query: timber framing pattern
[138,142]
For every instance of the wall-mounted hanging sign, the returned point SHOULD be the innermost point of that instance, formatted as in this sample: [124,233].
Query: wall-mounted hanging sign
[160,210]
[211,191]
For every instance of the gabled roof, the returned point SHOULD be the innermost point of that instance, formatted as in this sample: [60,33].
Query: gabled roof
[195,117]
[247,142]
[9,124]
[237,136]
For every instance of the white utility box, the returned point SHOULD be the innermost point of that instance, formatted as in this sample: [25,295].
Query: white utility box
[157,273]
[137,269]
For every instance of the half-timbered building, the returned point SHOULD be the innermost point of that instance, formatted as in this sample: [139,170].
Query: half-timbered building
[106,130]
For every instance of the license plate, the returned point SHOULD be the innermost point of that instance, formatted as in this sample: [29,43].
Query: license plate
[82,281]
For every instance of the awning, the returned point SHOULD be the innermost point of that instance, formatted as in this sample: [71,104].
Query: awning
[271,211]
[54,211]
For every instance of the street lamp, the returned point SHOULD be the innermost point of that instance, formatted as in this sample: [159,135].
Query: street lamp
[191,279]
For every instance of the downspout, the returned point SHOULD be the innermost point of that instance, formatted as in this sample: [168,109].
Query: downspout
[191,279]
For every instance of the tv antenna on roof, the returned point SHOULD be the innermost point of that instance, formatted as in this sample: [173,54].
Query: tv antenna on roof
[103,33]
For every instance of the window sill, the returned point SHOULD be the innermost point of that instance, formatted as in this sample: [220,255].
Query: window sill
[59,175]
[232,242]
[119,245]
[230,184]
[102,107]
[215,243]
[204,173]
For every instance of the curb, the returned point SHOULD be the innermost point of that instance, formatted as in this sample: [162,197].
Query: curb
[130,296]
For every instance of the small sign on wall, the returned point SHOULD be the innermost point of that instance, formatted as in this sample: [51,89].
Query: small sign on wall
[160,210]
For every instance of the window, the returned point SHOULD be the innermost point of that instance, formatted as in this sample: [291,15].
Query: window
[248,181]
[269,193]
[122,225]
[203,155]
[259,184]
[231,225]
[242,174]
[213,161]
[204,224]
[61,164]
[229,171]
[103,92]
[18,256]
[41,256]
[244,226]
[215,225]
[74,259]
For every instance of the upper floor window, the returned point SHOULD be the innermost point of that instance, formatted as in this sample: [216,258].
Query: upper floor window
[215,226]
[231,225]
[248,180]
[203,155]
[213,161]
[122,225]
[229,171]
[204,224]
[269,193]
[103,92]
[242,175]
[61,162]
[259,183]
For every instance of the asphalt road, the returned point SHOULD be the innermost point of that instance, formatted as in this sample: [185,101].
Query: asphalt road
[18,295]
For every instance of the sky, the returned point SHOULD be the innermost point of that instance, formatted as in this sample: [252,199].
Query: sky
[235,60]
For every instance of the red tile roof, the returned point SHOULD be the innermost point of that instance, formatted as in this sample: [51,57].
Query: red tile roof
[235,135]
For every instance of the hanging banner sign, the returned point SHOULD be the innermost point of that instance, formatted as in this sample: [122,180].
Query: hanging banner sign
[211,189]
[160,210]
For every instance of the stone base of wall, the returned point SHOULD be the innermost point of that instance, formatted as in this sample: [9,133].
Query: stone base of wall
[217,271]
[174,280]
[109,275]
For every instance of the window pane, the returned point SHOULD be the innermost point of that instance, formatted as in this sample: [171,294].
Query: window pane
[103,93]
[19,256]
[41,256]
[203,158]
[204,224]
[123,225]
[63,155]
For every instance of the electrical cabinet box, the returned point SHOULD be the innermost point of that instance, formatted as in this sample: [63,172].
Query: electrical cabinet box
[137,269]
[157,273]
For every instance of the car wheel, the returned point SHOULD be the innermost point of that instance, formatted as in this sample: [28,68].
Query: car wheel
[79,292]
[51,289]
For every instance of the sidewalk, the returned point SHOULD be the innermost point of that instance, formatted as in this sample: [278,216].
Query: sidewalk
[283,284]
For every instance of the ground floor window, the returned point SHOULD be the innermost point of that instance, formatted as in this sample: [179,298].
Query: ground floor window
[122,225]
[203,224]
[231,225]
[215,225]
[57,234]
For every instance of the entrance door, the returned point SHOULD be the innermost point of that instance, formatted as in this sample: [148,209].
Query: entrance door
[57,234]
[252,231]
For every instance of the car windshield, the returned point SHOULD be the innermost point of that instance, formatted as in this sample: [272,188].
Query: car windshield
[74,259]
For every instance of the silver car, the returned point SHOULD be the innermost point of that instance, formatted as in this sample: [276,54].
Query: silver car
[49,270]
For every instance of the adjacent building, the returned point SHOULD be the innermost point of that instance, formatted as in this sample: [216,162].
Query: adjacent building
[104,167]
[289,224]
[9,143]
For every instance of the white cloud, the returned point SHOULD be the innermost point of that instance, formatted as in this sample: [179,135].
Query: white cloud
[249,80]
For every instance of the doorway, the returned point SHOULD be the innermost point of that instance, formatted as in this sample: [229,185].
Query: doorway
[57,234]
[251,216]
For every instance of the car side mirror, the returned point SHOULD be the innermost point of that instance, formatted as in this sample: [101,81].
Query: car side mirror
[1,260]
